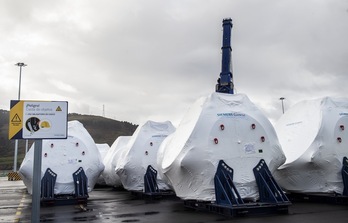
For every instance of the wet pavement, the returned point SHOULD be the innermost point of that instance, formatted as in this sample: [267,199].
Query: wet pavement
[109,205]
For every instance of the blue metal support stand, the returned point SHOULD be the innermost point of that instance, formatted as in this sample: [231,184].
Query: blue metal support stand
[230,203]
[151,189]
[150,181]
[47,185]
[47,189]
[225,190]
[269,190]
[80,182]
[345,176]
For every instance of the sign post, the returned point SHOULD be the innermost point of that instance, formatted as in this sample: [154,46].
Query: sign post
[36,194]
[38,120]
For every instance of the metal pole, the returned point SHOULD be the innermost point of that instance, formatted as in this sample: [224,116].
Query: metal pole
[19,98]
[282,99]
[35,214]
[15,156]
[20,80]
[26,146]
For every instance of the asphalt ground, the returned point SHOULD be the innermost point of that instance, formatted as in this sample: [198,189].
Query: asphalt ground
[109,205]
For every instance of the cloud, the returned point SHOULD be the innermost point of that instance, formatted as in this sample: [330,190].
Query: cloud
[153,59]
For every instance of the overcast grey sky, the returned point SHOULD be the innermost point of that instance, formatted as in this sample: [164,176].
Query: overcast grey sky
[152,59]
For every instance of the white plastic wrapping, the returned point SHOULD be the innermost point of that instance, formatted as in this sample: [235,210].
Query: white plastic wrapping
[110,161]
[140,152]
[218,127]
[103,149]
[314,138]
[64,157]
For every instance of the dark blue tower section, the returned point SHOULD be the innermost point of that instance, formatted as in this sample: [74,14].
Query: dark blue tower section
[225,82]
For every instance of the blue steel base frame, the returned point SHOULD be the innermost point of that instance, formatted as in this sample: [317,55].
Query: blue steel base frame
[47,189]
[331,198]
[151,189]
[229,202]
[345,176]
[81,184]
[269,190]
[225,191]
[47,186]
[248,209]
[150,181]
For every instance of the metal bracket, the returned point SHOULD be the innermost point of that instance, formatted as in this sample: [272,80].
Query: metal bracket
[48,182]
[225,191]
[345,176]
[150,180]
[269,190]
[80,182]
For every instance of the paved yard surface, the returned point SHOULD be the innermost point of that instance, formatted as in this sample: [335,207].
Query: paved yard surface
[108,205]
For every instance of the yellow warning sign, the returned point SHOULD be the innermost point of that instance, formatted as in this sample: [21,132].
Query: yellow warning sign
[16,117]
[38,119]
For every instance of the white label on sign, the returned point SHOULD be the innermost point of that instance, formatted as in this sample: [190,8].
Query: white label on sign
[45,120]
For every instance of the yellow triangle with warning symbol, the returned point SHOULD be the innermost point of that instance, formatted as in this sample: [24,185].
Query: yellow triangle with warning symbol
[59,108]
[16,118]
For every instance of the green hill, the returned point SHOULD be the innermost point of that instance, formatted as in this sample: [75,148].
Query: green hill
[102,130]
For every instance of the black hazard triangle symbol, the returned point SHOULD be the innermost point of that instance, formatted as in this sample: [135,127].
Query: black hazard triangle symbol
[59,108]
[16,118]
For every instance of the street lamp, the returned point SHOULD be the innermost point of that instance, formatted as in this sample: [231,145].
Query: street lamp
[20,77]
[19,97]
[282,99]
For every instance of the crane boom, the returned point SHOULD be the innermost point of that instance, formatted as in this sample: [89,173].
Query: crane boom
[225,82]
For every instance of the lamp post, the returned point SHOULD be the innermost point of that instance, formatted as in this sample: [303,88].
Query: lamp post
[19,97]
[20,77]
[282,99]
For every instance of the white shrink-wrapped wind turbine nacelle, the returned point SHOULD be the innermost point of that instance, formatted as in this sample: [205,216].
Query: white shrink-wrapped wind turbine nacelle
[111,159]
[219,127]
[103,149]
[64,157]
[141,151]
[314,138]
